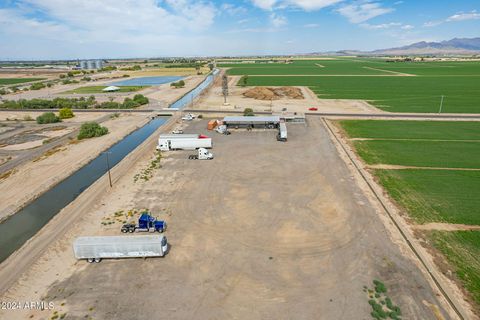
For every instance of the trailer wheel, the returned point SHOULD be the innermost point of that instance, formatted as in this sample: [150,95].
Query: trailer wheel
[97,260]
[90,260]
[124,230]
[131,230]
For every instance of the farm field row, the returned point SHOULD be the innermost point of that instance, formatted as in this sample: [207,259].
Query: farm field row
[354,66]
[394,94]
[379,82]
[430,195]
[8,81]
[462,249]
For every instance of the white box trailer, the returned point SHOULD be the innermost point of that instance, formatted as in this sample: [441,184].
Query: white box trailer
[93,249]
[183,143]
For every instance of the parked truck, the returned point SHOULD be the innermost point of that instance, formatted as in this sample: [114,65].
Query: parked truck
[282,132]
[183,142]
[146,223]
[94,249]
[203,154]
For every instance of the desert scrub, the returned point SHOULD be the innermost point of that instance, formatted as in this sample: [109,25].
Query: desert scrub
[382,305]
[120,216]
[147,173]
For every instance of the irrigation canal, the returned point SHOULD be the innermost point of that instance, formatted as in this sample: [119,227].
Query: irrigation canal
[24,224]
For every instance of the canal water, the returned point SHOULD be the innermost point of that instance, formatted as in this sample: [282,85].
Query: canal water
[188,98]
[20,227]
[146,81]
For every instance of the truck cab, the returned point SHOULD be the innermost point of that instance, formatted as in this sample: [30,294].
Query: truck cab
[146,223]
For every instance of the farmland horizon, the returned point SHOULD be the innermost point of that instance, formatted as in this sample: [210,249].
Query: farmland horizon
[52,30]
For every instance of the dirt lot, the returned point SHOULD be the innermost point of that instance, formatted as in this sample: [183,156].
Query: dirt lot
[266,230]
[238,101]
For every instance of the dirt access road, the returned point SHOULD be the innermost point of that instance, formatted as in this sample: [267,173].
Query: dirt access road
[266,230]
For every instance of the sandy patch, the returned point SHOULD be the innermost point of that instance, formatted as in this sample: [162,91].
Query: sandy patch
[445,227]
[267,93]
[399,167]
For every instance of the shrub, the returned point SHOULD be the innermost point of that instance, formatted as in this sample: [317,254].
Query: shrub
[248,112]
[2,91]
[37,86]
[243,81]
[109,105]
[129,103]
[140,99]
[47,117]
[66,113]
[90,130]
[178,84]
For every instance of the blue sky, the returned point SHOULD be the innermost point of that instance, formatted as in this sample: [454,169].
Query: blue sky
[71,29]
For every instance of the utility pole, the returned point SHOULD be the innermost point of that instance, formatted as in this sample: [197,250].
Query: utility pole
[108,168]
[441,105]
[225,88]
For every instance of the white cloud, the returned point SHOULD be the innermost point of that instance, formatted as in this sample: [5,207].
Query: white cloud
[362,11]
[232,9]
[461,16]
[390,25]
[277,21]
[380,26]
[464,16]
[407,27]
[307,5]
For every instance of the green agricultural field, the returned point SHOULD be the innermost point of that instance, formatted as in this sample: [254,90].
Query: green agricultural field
[401,129]
[373,81]
[450,196]
[304,67]
[428,195]
[462,249]
[447,196]
[8,81]
[423,153]
[99,89]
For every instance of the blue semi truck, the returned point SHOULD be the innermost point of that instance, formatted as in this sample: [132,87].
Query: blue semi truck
[146,223]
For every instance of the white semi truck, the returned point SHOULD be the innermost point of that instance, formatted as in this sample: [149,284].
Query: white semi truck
[94,249]
[203,154]
[183,142]
[282,132]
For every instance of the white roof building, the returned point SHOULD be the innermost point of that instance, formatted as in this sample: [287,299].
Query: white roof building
[111,89]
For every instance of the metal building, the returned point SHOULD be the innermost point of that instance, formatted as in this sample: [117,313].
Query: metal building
[269,122]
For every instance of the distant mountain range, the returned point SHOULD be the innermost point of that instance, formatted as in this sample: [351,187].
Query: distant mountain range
[457,46]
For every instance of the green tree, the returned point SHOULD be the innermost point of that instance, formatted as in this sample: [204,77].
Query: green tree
[47,117]
[90,130]
[248,112]
[140,99]
[129,103]
[66,113]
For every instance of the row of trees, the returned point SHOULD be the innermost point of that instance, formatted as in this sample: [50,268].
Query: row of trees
[57,103]
[74,103]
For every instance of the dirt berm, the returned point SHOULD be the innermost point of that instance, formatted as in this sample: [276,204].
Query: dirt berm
[265,93]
